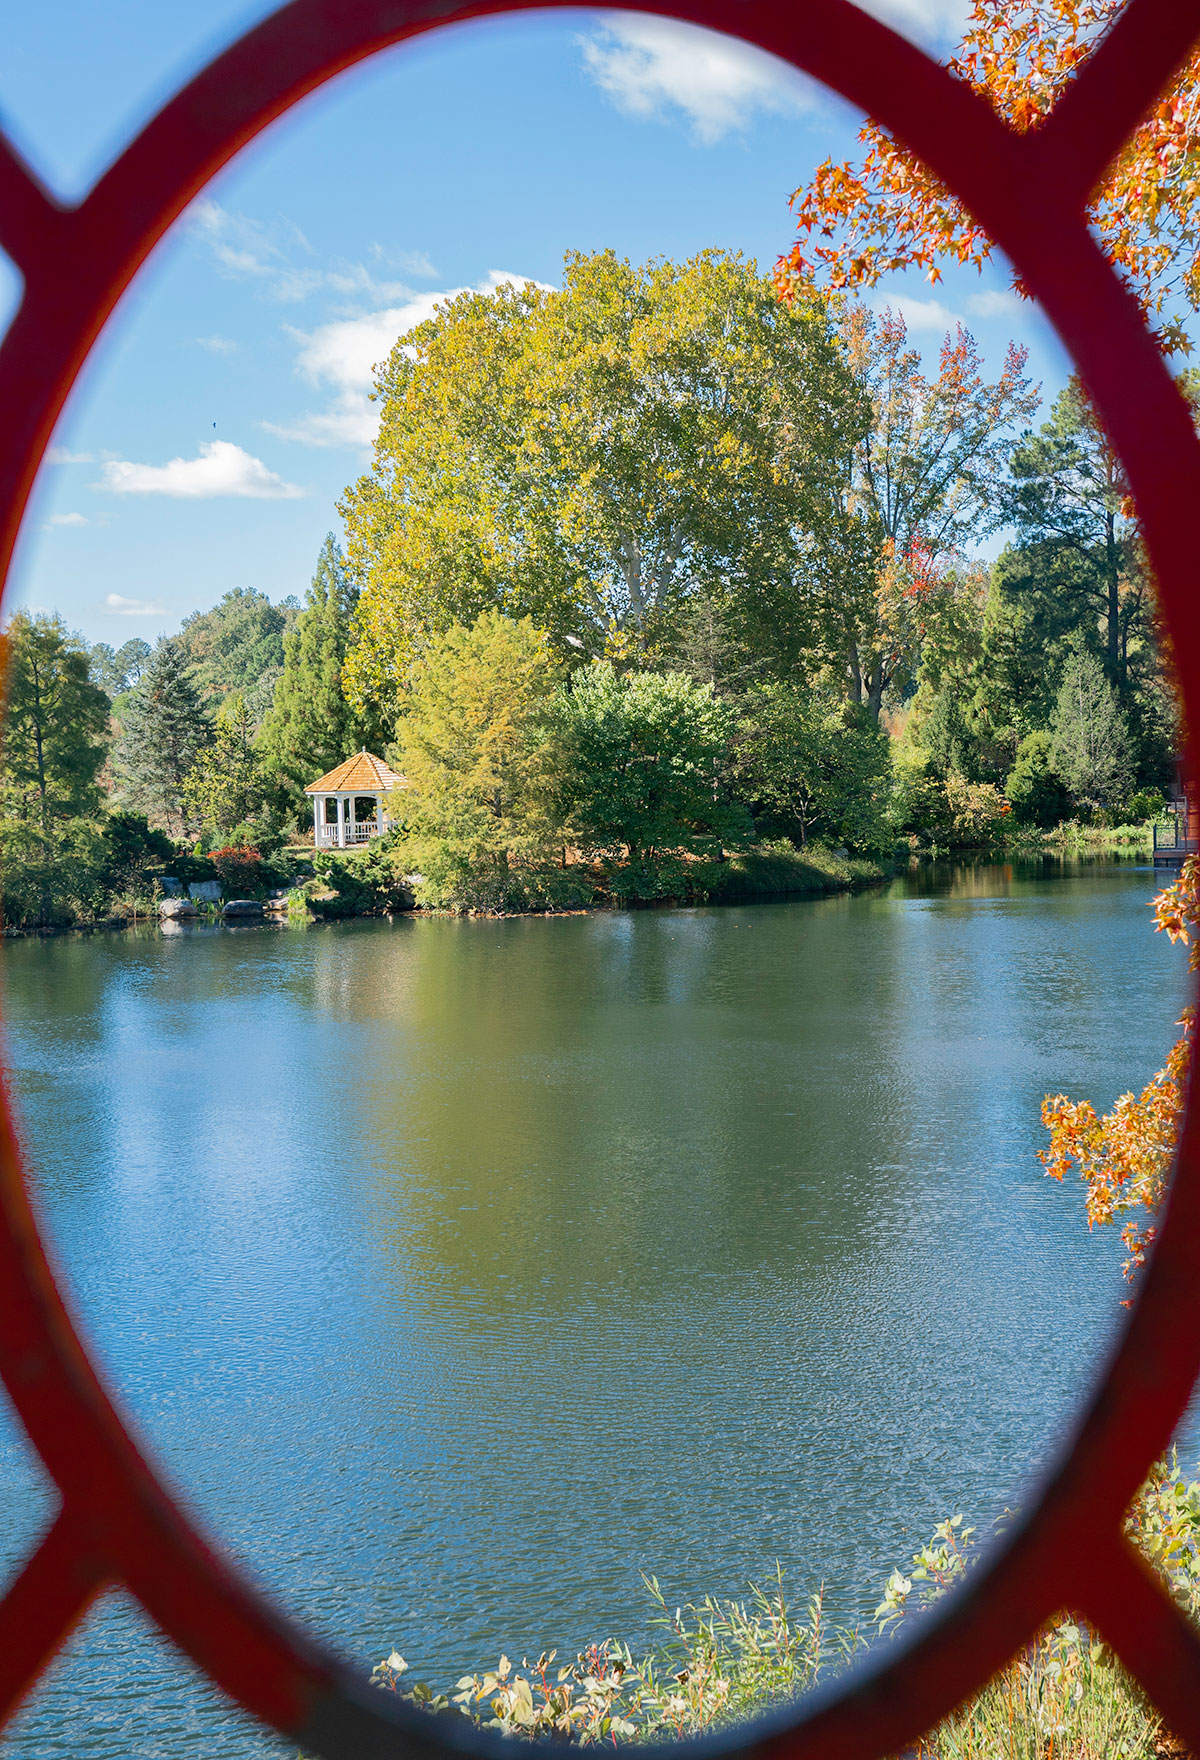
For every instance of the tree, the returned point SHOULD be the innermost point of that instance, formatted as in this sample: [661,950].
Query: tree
[115,670]
[310,725]
[813,764]
[237,646]
[163,732]
[1090,746]
[53,748]
[54,724]
[923,478]
[644,762]
[476,751]
[597,458]
[1034,789]
[223,787]
[1069,503]
[860,222]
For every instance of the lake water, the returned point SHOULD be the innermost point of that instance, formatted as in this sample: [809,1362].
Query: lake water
[461,1271]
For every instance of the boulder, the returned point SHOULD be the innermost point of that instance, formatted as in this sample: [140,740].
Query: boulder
[171,908]
[242,907]
[172,888]
[205,891]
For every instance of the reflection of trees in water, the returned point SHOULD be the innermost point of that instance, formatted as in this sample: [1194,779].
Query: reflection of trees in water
[616,1105]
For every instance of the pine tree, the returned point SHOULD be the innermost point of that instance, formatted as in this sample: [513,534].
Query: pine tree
[163,732]
[1090,746]
[310,726]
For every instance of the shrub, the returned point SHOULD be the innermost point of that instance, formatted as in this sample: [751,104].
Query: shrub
[1037,793]
[239,868]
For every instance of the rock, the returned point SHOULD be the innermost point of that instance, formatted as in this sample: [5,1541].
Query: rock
[171,908]
[205,891]
[172,888]
[242,907]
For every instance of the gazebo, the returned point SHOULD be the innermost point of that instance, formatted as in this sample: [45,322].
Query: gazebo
[349,803]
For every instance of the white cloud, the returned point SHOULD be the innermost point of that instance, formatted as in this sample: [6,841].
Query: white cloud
[997,302]
[936,25]
[268,252]
[60,455]
[343,355]
[220,469]
[117,606]
[217,344]
[68,519]
[918,314]
[653,66]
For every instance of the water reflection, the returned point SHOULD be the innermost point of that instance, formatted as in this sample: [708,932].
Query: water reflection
[461,1270]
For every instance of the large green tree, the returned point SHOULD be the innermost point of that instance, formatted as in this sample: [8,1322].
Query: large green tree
[645,765]
[1077,559]
[922,482]
[476,750]
[163,731]
[237,646]
[813,765]
[53,748]
[599,457]
[311,725]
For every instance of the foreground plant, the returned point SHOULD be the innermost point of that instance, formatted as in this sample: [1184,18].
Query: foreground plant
[723,1660]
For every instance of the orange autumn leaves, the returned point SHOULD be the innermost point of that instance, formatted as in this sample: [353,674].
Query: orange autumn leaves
[1125,1157]
[859,222]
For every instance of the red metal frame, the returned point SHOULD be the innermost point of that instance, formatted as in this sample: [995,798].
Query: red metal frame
[118,1523]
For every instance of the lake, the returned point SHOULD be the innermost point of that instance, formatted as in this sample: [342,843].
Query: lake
[461,1271]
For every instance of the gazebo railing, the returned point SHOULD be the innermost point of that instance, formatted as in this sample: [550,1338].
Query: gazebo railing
[359,832]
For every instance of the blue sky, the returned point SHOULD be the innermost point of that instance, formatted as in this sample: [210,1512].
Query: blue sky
[226,408]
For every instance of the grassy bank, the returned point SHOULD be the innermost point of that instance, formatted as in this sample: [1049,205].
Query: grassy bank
[373,881]
[721,1661]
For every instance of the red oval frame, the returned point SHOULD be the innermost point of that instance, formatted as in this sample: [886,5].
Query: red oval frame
[118,1523]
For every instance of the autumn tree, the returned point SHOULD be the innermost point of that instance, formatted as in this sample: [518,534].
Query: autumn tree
[475,747]
[162,734]
[861,220]
[600,457]
[311,725]
[923,480]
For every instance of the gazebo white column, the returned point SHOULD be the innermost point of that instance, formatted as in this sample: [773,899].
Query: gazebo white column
[341,801]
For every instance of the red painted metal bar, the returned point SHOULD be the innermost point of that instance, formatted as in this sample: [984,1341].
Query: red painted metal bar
[43,1605]
[1028,193]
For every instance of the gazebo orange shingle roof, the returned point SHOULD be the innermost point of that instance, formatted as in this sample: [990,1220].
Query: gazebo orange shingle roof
[363,771]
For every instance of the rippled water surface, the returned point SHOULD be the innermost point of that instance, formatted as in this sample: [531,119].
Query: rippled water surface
[462,1271]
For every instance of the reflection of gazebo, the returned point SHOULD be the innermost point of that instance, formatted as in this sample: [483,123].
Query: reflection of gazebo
[348,804]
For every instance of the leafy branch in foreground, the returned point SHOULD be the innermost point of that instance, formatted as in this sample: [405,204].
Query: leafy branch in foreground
[1125,1156]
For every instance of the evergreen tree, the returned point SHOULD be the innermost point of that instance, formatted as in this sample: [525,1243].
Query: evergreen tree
[164,729]
[1090,747]
[310,726]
